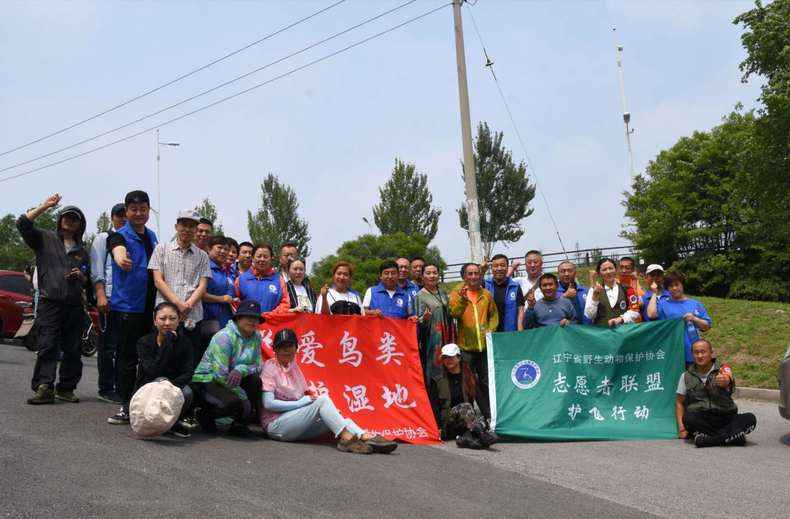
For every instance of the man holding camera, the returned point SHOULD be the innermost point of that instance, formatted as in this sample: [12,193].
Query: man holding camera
[63,272]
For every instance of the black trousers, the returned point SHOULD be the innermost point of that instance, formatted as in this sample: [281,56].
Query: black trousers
[478,363]
[59,327]
[720,426]
[131,326]
[220,402]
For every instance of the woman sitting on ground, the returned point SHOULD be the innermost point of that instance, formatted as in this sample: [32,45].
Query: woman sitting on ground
[227,381]
[290,412]
[166,354]
[300,293]
[678,306]
[340,298]
[452,393]
[608,302]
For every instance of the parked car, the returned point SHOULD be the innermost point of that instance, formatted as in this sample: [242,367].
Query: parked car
[784,386]
[16,304]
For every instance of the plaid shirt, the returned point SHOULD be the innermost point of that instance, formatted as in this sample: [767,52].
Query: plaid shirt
[181,270]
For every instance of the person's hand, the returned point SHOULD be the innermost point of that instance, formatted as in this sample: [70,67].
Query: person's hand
[426,315]
[683,434]
[463,291]
[102,305]
[570,293]
[51,201]
[614,322]
[598,290]
[324,290]
[531,298]
[484,266]
[233,379]
[413,318]
[183,310]
[654,287]
[564,322]
[374,312]
[689,317]
[227,299]
[514,266]
[722,380]
[126,263]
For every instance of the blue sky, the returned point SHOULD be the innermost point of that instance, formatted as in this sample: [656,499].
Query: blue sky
[332,131]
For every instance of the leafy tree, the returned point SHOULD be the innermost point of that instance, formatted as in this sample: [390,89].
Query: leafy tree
[208,210]
[368,251]
[405,204]
[503,191]
[14,253]
[278,221]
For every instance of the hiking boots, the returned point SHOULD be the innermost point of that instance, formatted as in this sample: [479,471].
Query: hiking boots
[44,395]
[65,395]
[355,445]
[381,445]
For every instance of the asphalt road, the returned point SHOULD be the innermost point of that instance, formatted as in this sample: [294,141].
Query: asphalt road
[65,461]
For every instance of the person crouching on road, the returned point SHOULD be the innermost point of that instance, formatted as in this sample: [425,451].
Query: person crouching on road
[63,271]
[452,395]
[290,412]
[705,390]
[227,381]
[165,353]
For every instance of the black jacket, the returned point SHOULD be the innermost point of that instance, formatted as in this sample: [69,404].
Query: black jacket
[172,360]
[54,263]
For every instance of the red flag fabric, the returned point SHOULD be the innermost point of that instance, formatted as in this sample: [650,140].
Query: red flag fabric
[369,366]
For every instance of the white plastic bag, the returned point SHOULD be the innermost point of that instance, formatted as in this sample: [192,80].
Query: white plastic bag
[154,408]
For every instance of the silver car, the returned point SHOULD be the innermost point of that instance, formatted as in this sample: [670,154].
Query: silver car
[784,386]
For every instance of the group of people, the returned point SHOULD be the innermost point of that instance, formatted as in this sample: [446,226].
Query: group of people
[188,310]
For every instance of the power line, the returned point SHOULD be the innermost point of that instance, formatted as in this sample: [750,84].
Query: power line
[212,89]
[232,96]
[490,66]
[176,80]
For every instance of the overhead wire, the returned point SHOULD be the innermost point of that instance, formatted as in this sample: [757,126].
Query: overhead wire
[210,90]
[232,96]
[175,80]
[490,66]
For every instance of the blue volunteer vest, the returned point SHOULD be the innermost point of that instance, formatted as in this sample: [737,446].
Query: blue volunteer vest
[511,310]
[266,290]
[130,288]
[396,306]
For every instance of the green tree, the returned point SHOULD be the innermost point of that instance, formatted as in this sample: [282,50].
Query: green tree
[368,251]
[14,253]
[405,204]
[208,210]
[503,191]
[278,221]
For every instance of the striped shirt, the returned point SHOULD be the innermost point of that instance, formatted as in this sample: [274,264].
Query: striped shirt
[181,270]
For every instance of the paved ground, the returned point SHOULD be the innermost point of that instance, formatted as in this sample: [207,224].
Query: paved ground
[64,461]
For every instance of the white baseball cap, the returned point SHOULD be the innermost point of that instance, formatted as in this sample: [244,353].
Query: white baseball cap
[653,267]
[451,350]
[189,214]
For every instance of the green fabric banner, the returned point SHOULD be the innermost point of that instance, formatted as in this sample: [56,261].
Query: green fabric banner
[586,382]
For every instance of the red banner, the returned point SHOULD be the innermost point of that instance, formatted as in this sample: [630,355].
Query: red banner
[369,366]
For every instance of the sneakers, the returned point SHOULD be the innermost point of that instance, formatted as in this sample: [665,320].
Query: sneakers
[179,431]
[381,445]
[66,396]
[189,423]
[111,397]
[355,445]
[738,440]
[44,395]
[119,418]
[705,440]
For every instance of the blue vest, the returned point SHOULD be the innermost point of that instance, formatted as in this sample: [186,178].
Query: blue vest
[578,302]
[396,306]
[219,285]
[130,288]
[266,291]
[510,318]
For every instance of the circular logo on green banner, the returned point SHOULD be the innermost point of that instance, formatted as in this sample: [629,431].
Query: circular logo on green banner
[525,374]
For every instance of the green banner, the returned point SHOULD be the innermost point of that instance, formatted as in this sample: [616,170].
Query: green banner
[586,382]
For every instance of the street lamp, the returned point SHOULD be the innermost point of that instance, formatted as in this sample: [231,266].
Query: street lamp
[158,192]
[368,222]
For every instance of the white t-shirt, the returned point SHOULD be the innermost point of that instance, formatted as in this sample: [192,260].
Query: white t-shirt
[302,298]
[369,296]
[333,295]
[682,382]
[526,286]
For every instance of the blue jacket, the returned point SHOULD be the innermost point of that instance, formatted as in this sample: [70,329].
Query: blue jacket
[266,290]
[578,302]
[219,284]
[129,289]
[396,306]
[510,319]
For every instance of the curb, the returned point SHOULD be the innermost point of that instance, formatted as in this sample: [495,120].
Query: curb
[754,393]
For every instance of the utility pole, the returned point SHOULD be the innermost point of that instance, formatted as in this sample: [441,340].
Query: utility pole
[626,113]
[470,182]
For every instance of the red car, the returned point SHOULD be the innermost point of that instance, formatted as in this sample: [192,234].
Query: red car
[16,303]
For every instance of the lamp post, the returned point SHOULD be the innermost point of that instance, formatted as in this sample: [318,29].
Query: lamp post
[364,219]
[158,191]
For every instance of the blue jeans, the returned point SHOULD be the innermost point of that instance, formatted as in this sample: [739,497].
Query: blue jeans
[311,421]
[106,346]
